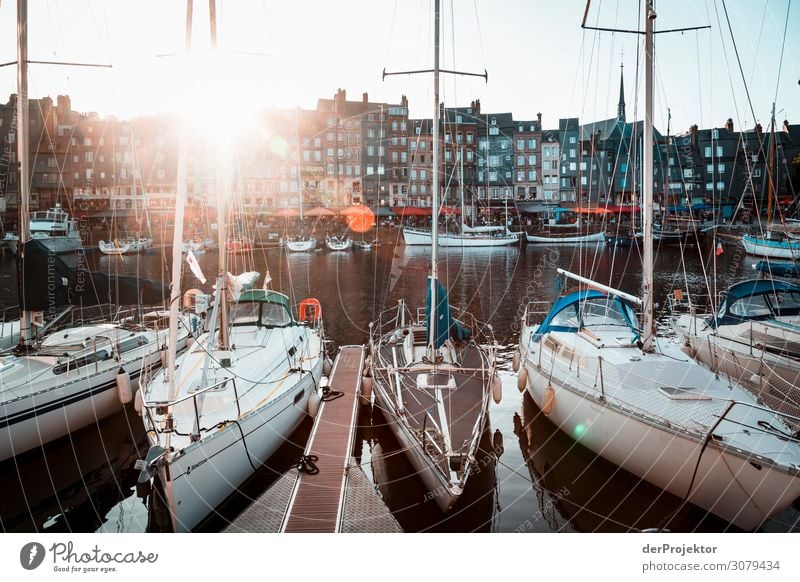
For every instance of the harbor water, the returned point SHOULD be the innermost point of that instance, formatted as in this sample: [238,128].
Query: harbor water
[532,477]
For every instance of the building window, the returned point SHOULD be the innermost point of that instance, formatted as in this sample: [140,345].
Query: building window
[470,138]
[707,151]
[520,144]
[720,185]
[520,160]
[532,144]
[572,166]
[531,175]
[520,176]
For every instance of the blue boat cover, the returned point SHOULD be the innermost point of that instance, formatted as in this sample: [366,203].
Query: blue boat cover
[774,301]
[571,300]
[778,269]
[444,324]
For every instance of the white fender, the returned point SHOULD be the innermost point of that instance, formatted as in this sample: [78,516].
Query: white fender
[368,367]
[137,402]
[515,361]
[549,400]
[124,392]
[497,389]
[327,366]
[163,355]
[366,390]
[314,400]
[522,378]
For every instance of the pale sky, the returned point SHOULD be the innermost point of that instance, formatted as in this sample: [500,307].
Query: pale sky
[537,56]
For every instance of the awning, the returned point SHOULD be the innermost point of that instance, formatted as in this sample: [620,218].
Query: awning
[593,210]
[411,211]
[382,211]
[449,210]
[626,209]
[320,211]
[287,212]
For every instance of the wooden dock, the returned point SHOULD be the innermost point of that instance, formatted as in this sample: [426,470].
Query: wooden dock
[339,498]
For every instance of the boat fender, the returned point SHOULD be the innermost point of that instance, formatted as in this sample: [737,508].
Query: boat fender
[522,378]
[515,361]
[124,386]
[549,400]
[163,355]
[368,367]
[366,390]
[327,366]
[312,406]
[137,402]
[497,389]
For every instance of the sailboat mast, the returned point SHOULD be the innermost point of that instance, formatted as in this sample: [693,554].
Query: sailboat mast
[25,331]
[435,197]
[461,183]
[771,190]
[177,238]
[647,183]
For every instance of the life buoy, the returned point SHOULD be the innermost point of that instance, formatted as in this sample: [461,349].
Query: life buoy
[310,310]
[190,298]
[549,400]
[366,390]
[522,378]
[124,392]
[515,361]
[497,389]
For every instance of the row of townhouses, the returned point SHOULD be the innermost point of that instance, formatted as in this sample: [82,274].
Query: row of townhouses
[345,152]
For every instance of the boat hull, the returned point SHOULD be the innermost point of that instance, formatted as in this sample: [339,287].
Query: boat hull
[583,238]
[609,431]
[59,245]
[345,245]
[49,414]
[235,452]
[299,246]
[772,249]
[423,238]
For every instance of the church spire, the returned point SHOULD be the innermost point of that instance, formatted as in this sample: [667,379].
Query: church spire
[621,105]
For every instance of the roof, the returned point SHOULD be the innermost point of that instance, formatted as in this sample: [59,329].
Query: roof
[262,296]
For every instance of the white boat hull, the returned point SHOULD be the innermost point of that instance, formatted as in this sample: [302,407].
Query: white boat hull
[218,464]
[771,249]
[667,458]
[60,409]
[300,246]
[423,238]
[584,238]
[339,245]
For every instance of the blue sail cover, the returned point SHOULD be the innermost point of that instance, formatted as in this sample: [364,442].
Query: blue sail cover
[442,320]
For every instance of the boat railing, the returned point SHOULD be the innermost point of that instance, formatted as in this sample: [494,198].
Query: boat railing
[402,315]
[163,407]
[537,308]
[680,302]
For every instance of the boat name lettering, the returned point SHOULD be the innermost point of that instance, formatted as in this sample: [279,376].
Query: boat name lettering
[193,467]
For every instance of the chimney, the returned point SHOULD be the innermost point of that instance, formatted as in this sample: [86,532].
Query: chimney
[539,120]
[693,130]
[476,109]
[404,101]
[759,129]
[786,125]
[729,125]
[365,98]
[64,107]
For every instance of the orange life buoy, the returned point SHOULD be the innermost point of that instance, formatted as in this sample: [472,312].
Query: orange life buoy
[310,310]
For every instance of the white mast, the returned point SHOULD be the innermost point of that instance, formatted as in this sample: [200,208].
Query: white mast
[435,215]
[177,238]
[461,184]
[25,331]
[647,183]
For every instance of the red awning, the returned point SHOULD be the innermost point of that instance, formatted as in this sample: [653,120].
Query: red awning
[626,209]
[593,210]
[449,210]
[320,211]
[411,211]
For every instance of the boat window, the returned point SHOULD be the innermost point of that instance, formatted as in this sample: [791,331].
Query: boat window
[565,318]
[98,356]
[129,344]
[275,315]
[785,302]
[244,314]
[753,306]
[602,312]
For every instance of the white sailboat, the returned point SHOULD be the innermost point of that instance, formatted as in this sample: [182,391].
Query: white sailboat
[220,410]
[67,379]
[753,338]
[54,228]
[432,377]
[640,402]
[302,242]
[475,237]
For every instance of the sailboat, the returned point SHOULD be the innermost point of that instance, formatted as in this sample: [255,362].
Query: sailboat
[638,401]
[754,338]
[475,237]
[301,243]
[54,228]
[70,375]
[221,409]
[432,376]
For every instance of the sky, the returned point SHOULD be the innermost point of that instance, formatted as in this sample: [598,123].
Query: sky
[290,53]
